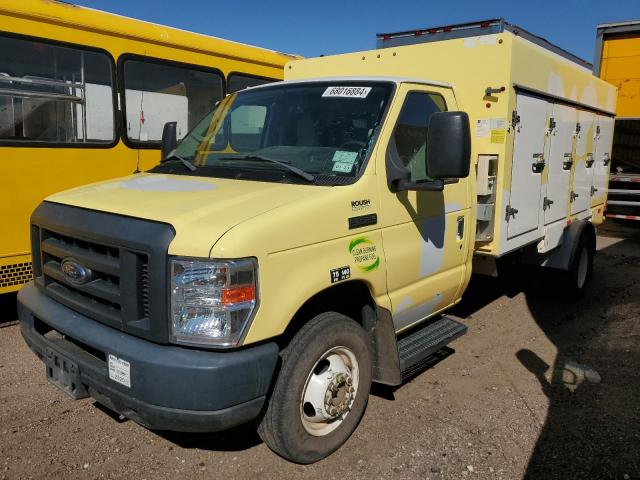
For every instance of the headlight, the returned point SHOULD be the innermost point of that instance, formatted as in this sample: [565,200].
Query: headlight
[212,300]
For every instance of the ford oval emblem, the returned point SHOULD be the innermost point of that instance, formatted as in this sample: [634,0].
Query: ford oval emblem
[75,273]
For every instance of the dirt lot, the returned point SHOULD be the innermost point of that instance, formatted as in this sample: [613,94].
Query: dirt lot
[538,388]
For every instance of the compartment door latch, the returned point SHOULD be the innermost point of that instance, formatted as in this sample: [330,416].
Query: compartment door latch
[511,212]
[539,164]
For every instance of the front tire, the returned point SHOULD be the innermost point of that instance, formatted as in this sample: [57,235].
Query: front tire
[321,391]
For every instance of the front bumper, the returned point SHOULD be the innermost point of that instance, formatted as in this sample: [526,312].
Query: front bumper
[172,388]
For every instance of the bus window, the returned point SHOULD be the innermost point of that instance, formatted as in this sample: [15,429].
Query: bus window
[157,92]
[51,94]
[239,81]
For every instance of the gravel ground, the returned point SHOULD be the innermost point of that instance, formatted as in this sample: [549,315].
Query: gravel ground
[538,388]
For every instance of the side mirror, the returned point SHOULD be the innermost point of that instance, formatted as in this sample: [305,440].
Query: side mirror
[169,138]
[448,145]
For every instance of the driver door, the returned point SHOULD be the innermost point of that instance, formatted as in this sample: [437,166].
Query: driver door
[425,234]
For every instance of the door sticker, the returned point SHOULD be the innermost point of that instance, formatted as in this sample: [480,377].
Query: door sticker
[364,253]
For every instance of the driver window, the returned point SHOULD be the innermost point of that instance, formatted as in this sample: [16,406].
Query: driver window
[410,136]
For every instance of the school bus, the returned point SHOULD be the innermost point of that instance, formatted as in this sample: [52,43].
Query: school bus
[84,96]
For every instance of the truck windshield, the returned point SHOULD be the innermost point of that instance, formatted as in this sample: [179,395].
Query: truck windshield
[305,133]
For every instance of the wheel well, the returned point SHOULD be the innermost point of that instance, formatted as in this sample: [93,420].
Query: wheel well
[348,298]
[354,300]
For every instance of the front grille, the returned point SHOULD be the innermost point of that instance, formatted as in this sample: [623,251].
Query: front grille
[127,258]
[102,298]
[15,274]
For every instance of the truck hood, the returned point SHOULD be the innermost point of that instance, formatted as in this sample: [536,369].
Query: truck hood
[200,209]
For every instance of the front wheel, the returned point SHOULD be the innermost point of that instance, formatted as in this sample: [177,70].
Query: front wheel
[321,391]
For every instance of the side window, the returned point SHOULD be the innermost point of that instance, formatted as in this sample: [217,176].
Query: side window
[410,136]
[51,94]
[156,93]
[238,81]
[247,122]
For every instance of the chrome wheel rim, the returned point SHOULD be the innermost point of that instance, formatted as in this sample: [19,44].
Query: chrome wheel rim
[329,392]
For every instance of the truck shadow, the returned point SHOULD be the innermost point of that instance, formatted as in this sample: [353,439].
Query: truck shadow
[237,439]
[591,428]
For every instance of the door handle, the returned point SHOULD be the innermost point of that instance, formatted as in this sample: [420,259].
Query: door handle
[460,228]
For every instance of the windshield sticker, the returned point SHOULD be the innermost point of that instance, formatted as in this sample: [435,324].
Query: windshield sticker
[345,157]
[342,167]
[347,92]
[364,254]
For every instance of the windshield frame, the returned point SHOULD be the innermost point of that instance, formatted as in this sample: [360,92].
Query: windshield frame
[261,174]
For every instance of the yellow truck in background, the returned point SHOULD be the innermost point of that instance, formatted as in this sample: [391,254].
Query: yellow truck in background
[617,60]
[305,238]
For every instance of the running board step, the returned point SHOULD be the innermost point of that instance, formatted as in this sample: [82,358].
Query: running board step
[428,340]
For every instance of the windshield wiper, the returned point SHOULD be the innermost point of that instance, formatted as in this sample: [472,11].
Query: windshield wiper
[253,156]
[175,157]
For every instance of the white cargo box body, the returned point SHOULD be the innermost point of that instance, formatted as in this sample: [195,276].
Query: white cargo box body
[541,123]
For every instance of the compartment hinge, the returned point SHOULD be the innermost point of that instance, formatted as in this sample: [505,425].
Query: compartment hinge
[515,118]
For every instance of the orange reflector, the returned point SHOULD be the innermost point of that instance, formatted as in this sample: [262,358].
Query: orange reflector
[244,293]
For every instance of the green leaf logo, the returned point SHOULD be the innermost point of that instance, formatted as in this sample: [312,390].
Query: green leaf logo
[364,254]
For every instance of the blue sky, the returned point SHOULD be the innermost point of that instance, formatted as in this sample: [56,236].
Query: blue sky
[311,28]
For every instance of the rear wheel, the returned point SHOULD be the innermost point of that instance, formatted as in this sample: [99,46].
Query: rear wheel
[321,391]
[576,279]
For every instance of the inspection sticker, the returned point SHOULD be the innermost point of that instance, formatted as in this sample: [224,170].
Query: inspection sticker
[347,92]
[120,371]
[342,167]
[345,157]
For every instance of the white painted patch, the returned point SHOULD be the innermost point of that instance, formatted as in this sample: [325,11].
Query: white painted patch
[162,183]
[432,245]
[574,94]
[470,42]
[404,304]
[452,207]
[410,316]
[611,99]
[589,95]
[488,39]
[555,84]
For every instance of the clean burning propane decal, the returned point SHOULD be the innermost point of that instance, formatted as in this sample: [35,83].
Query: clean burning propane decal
[364,254]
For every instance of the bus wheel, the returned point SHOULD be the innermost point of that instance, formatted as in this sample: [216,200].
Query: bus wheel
[321,391]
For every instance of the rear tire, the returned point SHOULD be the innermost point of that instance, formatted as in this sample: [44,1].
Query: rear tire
[321,391]
[576,280]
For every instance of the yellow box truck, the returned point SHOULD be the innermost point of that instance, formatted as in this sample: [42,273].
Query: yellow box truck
[617,60]
[306,237]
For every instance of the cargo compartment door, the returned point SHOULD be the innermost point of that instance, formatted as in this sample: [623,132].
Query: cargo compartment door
[560,161]
[602,158]
[580,195]
[523,211]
